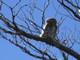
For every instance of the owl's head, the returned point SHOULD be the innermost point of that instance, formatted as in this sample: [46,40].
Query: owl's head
[51,21]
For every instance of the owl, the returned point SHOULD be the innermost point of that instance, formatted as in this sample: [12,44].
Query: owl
[49,28]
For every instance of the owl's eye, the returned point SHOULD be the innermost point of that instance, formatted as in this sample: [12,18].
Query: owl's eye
[51,20]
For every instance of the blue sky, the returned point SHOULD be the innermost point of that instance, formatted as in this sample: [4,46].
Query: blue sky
[10,52]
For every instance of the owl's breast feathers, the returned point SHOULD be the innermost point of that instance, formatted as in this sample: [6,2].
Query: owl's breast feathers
[51,27]
[52,31]
[49,31]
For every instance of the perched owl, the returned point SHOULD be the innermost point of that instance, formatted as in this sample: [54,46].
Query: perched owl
[49,29]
